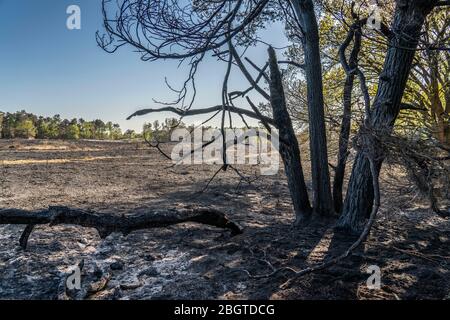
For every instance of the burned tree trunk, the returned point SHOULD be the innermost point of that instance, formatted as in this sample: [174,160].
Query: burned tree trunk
[322,202]
[350,69]
[407,25]
[107,223]
[289,149]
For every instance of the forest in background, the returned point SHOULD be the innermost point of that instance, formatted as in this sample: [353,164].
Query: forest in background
[24,125]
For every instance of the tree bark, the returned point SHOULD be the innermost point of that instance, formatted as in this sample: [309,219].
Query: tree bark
[107,223]
[289,148]
[350,68]
[322,201]
[407,25]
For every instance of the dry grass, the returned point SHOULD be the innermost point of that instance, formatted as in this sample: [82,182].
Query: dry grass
[53,161]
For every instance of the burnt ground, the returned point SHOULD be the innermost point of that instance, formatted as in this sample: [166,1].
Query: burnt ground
[190,261]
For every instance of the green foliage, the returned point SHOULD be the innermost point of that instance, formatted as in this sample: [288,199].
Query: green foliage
[72,132]
[147,131]
[114,131]
[130,134]
[25,129]
[427,89]
[163,132]
[26,125]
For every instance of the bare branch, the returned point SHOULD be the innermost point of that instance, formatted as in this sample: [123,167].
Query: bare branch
[247,74]
[174,29]
[193,112]
[409,106]
[293,63]
[266,125]
[443,3]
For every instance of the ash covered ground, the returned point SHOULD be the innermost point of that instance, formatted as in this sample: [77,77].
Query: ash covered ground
[189,261]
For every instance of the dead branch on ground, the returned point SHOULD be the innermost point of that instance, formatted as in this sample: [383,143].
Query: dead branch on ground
[107,223]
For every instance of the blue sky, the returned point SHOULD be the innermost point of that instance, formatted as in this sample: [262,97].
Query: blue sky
[47,69]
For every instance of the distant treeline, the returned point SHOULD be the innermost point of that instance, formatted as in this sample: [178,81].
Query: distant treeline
[27,125]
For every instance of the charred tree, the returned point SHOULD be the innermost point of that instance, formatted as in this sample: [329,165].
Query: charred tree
[350,70]
[406,30]
[322,201]
[289,148]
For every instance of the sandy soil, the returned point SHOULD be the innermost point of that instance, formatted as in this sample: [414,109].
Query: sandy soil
[409,243]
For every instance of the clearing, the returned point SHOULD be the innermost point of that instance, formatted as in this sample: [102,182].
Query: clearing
[190,261]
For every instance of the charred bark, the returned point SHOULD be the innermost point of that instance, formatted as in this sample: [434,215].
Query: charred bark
[289,148]
[350,70]
[107,223]
[407,25]
[322,202]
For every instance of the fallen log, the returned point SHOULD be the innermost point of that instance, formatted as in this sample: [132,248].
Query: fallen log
[107,223]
